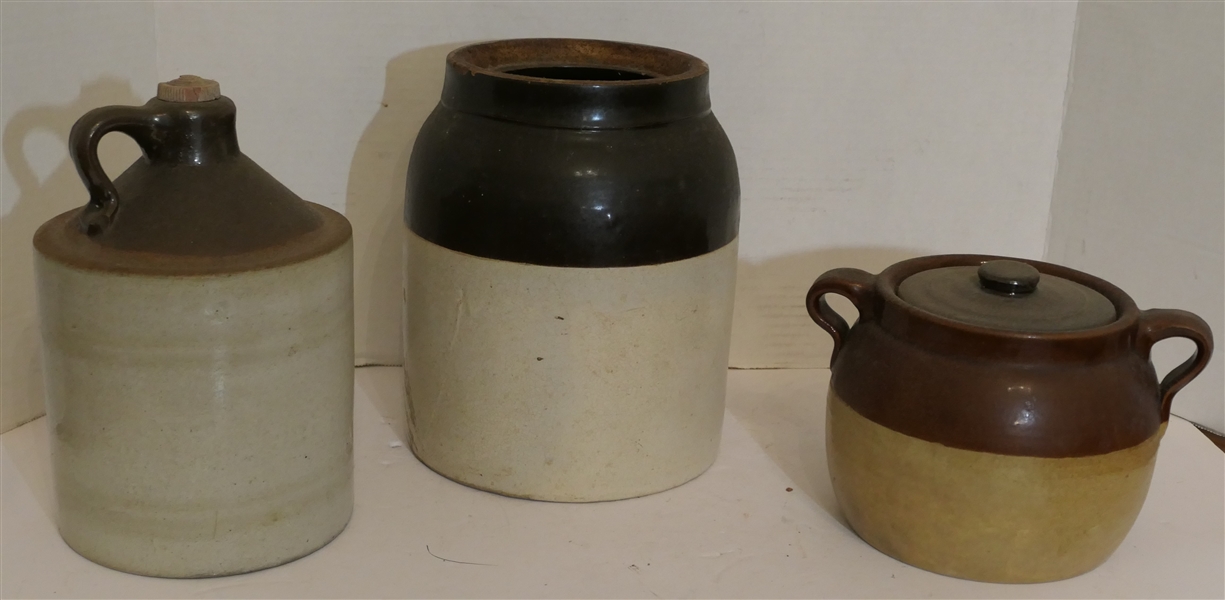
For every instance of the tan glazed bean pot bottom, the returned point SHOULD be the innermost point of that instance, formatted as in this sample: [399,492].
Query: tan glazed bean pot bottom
[981,515]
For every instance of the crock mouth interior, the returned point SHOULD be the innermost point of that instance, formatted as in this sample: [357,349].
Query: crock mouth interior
[578,73]
[578,61]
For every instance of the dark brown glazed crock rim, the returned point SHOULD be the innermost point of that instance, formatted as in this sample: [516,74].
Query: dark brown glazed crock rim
[477,83]
[951,336]
[60,240]
[463,59]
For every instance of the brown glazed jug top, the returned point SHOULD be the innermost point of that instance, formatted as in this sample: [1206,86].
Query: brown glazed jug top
[1076,384]
[192,204]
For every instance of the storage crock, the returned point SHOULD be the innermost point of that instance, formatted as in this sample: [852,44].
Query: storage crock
[995,419]
[197,323]
[571,210]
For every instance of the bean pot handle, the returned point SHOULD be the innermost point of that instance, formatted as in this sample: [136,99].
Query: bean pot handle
[855,285]
[138,122]
[1161,323]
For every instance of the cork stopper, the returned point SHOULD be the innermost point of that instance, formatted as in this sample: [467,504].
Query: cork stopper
[189,88]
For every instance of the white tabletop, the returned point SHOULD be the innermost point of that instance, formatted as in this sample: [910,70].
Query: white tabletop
[733,532]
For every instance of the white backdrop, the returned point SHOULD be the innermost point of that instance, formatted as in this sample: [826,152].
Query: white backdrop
[865,132]
[1140,194]
[57,61]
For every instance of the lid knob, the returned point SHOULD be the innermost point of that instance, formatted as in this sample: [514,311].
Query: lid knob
[189,88]
[1010,277]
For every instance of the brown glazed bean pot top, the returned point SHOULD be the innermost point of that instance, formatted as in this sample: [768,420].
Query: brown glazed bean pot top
[1063,393]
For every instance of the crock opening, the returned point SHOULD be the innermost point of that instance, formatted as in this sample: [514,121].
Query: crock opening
[576,84]
[601,60]
[579,73]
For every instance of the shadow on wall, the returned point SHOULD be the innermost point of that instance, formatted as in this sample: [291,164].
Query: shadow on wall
[772,329]
[374,200]
[43,193]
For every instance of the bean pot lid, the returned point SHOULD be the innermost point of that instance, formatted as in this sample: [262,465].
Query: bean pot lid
[1007,295]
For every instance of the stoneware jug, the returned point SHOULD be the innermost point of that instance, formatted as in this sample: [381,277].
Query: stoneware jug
[995,419]
[572,212]
[197,321]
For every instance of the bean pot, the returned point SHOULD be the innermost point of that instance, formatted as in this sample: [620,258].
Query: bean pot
[197,325]
[571,220]
[995,419]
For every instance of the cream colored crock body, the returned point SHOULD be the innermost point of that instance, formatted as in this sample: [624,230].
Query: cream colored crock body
[979,515]
[200,425]
[566,384]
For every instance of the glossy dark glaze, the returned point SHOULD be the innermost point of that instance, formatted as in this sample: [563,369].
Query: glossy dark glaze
[193,203]
[516,80]
[1051,395]
[61,239]
[628,170]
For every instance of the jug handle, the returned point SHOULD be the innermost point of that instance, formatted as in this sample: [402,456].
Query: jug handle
[1162,323]
[138,122]
[855,285]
